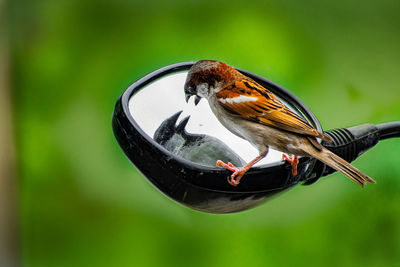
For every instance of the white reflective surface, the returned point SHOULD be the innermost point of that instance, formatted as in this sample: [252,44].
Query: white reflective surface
[159,100]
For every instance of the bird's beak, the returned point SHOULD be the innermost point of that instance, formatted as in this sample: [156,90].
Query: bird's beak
[187,96]
[197,100]
[189,91]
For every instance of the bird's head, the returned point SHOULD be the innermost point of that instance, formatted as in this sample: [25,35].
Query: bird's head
[207,77]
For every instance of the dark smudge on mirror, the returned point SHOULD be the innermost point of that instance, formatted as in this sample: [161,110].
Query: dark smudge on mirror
[189,131]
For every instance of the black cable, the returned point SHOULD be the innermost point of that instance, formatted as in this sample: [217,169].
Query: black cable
[388,130]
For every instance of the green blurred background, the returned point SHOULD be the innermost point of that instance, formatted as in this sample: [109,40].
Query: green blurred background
[82,203]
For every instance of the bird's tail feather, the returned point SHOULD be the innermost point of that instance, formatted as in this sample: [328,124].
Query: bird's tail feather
[339,164]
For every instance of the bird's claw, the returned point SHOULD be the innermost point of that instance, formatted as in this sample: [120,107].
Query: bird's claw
[294,161]
[237,174]
[232,182]
[229,166]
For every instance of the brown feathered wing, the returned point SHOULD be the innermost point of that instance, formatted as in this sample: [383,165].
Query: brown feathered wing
[252,101]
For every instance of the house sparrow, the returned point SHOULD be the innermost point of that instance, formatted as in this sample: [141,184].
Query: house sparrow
[255,114]
[199,148]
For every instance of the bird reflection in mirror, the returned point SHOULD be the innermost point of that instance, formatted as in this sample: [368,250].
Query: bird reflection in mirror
[199,148]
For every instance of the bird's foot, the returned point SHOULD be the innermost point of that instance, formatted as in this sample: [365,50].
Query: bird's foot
[294,161]
[237,174]
[229,166]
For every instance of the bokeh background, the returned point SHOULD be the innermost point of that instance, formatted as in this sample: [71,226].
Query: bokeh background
[82,203]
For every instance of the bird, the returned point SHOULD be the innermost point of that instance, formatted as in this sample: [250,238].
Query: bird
[254,113]
[199,148]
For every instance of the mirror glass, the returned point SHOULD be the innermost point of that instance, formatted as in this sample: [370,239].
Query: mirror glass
[190,131]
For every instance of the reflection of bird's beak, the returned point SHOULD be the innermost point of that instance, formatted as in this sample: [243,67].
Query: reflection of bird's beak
[181,126]
[166,129]
[189,91]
